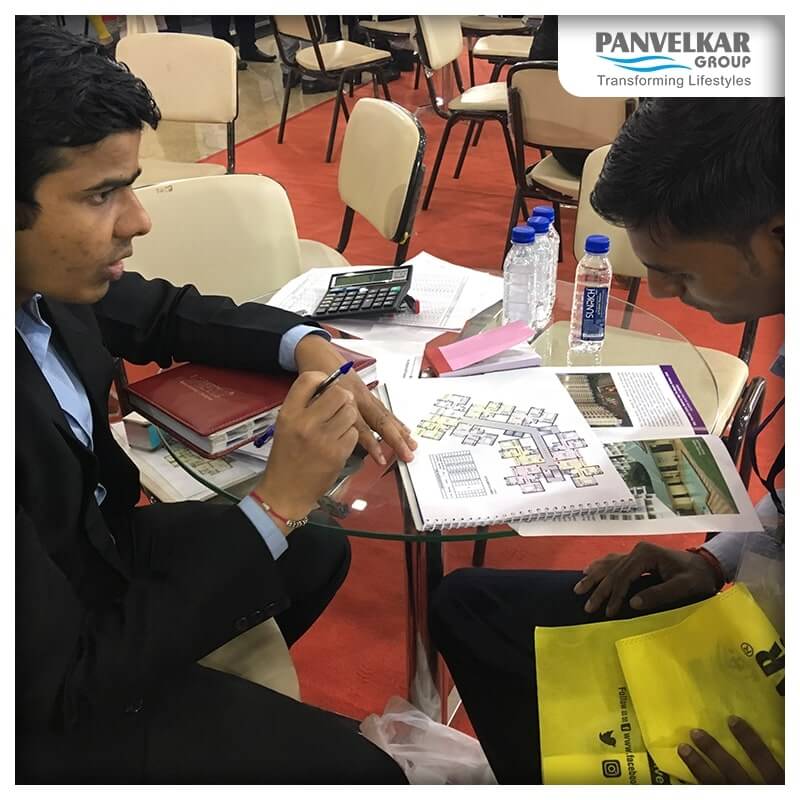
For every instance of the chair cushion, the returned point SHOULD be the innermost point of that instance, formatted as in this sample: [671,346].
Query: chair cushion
[503,47]
[340,55]
[395,27]
[549,173]
[317,254]
[484,97]
[489,24]
[730,374]
[258,655]
[156,170]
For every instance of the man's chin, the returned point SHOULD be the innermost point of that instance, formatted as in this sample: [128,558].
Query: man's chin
[729,317]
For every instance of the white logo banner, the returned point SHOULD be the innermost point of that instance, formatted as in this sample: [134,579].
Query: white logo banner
[671,56]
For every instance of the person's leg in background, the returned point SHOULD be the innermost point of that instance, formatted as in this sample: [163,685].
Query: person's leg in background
[173,22]
[246,31]
[482,621]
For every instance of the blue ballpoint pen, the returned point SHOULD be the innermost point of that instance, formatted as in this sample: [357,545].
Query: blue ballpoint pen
[329,381]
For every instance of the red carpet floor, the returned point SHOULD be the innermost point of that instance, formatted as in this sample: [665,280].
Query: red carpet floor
[354,657]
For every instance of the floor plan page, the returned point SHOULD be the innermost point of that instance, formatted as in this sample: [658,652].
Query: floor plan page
[503,446]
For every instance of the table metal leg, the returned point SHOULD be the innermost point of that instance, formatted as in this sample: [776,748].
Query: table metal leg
[427,688]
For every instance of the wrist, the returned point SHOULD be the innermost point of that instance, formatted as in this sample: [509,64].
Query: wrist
[310,347]
[712,565]
[281,500]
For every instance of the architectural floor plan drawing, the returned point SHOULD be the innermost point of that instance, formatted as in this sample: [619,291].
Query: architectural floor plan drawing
[537,451]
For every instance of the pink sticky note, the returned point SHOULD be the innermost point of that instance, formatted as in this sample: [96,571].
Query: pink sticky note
[484,345]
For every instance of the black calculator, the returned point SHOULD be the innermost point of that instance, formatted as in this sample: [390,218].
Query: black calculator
[358,294]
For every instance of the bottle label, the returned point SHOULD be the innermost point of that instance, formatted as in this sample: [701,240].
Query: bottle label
[593,316]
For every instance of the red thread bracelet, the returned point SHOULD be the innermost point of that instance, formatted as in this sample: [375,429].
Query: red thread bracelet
[268,507]
[712,561]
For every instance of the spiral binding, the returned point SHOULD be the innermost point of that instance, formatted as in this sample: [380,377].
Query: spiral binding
[562,513]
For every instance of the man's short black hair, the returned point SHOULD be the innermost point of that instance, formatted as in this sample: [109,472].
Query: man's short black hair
[699,167]
[69,93]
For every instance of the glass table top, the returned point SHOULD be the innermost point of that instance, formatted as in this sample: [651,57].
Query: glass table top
[368,499]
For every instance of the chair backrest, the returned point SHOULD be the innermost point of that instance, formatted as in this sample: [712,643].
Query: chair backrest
[381,166]
[440,40]
[307,29]
[294,25]
[192,78]
[231,235]
[588,222]
[548,116]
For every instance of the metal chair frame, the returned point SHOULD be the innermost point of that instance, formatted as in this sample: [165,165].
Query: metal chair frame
[374,68]
[453,117]
[471,34]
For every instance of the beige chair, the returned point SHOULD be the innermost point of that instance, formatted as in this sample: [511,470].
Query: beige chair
[544,115]
[476,27]
[380,178]
[258,655]
[440,42]
[501,51]
[739,403]
[340,61]
[232,235]
[193,79]
[400,30]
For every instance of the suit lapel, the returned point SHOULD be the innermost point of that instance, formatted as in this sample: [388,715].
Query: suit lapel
[40,397]
[87,358]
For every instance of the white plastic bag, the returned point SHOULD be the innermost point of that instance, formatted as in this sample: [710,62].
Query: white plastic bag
[427,751]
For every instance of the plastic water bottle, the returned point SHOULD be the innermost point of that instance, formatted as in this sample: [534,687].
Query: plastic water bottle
[518,269]
[542,308]
[555,241]
[587,327]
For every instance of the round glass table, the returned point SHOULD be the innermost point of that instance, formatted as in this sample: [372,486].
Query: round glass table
[368,500]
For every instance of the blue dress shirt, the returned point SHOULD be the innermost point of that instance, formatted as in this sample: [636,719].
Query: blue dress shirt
[74,402]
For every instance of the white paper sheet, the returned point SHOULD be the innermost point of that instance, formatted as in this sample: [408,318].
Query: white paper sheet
[394,360]
[448,294]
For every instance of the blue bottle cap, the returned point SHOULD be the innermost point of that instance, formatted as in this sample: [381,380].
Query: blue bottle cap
[522,234]
[544,211]
[539,224]
[597,244]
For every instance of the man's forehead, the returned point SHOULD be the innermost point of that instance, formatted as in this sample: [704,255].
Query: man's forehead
[111,158]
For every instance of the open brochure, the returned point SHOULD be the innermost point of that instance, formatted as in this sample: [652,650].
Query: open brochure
[631,402]
[680,484]
[498,447]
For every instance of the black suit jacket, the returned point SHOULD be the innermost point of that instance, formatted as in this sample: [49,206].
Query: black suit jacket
[110,600]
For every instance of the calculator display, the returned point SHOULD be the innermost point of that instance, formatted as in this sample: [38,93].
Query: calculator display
[363,277]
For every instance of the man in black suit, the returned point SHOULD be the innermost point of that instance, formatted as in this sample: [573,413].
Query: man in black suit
[116,604]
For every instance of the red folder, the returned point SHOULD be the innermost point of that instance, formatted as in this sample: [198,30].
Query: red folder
[215,410]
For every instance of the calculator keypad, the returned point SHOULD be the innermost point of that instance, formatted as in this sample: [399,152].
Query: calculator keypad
[363,300]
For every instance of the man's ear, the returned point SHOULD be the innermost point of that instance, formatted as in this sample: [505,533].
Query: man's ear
[777,227]
[24,215]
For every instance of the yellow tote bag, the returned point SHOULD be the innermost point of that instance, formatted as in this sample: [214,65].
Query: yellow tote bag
[589,733]
[724,658]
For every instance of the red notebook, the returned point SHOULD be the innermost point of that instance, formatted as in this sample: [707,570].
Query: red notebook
[215,410]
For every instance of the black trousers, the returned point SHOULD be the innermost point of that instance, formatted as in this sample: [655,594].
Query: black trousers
[200,725]
[482,620]
[245,29]
[209,727]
